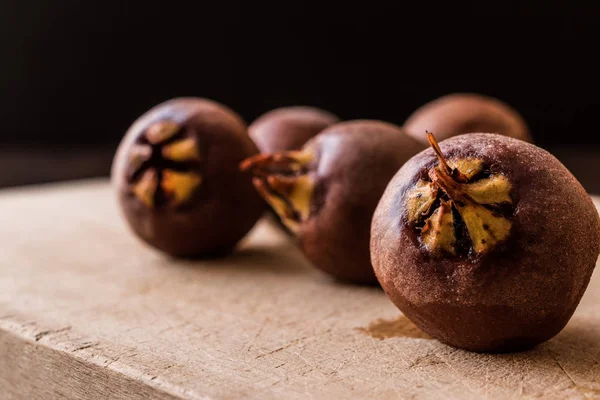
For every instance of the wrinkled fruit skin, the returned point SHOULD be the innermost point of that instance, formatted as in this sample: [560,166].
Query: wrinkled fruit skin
[345,170]
[460,113]
[204,204]
[289,128]
[522,291]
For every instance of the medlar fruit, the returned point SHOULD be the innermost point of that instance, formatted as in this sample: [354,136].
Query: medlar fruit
[288,128]
[326,192]
[459,113]
[177,177]
[485,242]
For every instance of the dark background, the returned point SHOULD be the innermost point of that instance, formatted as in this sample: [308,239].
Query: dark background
[75,74]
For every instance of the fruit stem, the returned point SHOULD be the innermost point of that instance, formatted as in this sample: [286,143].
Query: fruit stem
[434,145]
[285,163]
[454,173]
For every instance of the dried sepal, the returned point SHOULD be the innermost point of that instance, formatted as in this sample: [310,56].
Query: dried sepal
[145,188]
[179,186]
[282,179]
[296,190]
[485,227]
[301,196]
[420,199]
[161,131]
[282,207]
[183,150]
[289,196]
[288,162]
[438,232]
[158,171]
[472,200]
[469,167]
[138,155]
[492,190]
[301,158]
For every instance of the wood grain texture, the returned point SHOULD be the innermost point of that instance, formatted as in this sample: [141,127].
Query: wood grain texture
[88,312]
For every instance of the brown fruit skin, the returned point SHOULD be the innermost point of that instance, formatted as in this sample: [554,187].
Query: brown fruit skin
[289,128]
[224,208]
[356,160]
[460,113]
[521,293]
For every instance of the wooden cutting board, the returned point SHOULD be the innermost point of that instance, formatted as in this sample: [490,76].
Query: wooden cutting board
[89,312]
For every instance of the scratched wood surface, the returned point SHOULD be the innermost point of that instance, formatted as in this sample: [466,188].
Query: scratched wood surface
[88,312]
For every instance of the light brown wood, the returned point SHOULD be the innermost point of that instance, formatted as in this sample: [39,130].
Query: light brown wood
[88,312]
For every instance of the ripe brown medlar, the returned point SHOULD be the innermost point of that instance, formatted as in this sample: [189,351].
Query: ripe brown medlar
[177,177]
[485,242]
[326,193]
[288,128]
[460,113]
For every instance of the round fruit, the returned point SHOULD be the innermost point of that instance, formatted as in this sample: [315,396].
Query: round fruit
[327,192]
[486,243]
[460,113]
[177,176]
[288,128]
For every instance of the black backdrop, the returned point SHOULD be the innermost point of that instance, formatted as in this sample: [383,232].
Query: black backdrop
[79,72]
